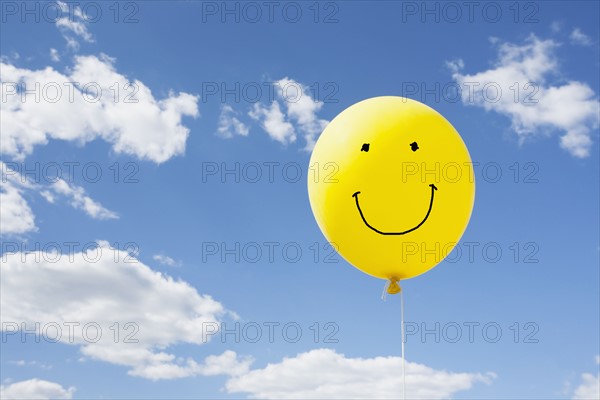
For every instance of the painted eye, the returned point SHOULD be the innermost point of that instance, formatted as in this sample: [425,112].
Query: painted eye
[414,146]
[365,147]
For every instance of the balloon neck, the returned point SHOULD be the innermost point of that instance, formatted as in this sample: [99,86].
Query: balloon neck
[393,287]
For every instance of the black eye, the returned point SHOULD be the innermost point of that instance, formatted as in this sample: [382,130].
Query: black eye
[365,147]
[414,146]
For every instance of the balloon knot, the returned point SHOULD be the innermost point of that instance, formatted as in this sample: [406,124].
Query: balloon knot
[393,287]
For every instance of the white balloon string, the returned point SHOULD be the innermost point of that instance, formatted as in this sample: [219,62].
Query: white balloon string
[384,292]
[402,329]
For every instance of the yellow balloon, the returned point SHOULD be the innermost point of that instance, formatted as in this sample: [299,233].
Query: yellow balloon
[392,186]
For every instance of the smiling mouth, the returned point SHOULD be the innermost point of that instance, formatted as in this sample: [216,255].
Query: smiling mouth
[433,189]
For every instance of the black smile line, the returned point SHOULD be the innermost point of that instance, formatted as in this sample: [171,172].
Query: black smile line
[433,189]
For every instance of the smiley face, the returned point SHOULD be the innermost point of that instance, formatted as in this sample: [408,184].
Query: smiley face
[399,189]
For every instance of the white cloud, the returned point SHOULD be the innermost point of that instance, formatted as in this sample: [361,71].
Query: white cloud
[580,38]
[13,57]
[540,107]
[46,194]
[325,374]
[15,212]
[166,260]
[230,125]
[589,389]
[77,27]
[79,200]
[300,114]
[107,286]
[35,389]
[227,363]
[54,56]
[23,363]
[72,43]
[16,215]
[103,104]
[302,109]
[556,26]
[274,122]
[73,25]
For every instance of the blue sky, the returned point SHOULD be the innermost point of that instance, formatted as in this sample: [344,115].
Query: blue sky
[181,218]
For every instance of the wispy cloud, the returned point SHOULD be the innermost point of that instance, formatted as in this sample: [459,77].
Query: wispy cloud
[78,199]
[274,122]
[293,112]
[230,125]
[17,216]
[73,26]
[556,26]
[76,27]
[166,260]
[538,107]
[23,363]
[54,56]
[302,109]
[580,38]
